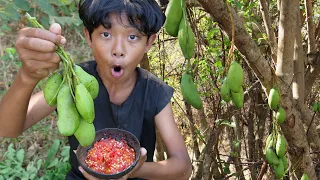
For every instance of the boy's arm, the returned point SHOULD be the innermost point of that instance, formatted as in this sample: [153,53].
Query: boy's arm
[18,110]
[178,165]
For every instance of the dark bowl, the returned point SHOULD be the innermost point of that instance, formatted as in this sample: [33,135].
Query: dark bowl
[117,134]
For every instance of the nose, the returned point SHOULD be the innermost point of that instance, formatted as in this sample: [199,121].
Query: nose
[118,48]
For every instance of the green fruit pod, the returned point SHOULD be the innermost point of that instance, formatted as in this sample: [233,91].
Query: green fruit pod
[285,162]
[279,170]
[68,115]
[89,81]
[305,176]
[272,157]
[225,92]
[235,77]
[273,99]
[189,91]
[281,115]
[173,14]
[51,88]
[84,103]
[281,146]
[269,142]
[85,133]
[186,39]
[238,98]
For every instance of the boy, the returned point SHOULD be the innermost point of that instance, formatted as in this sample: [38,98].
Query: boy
[119,32]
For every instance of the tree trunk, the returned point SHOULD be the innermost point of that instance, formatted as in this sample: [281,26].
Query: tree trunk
[292,129]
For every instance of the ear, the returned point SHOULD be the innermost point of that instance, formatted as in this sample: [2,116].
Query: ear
[150,41]
[87,36]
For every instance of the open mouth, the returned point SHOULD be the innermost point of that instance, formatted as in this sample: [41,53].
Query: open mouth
[117,71]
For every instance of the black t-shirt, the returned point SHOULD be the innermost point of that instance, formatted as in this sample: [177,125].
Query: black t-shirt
[148,97]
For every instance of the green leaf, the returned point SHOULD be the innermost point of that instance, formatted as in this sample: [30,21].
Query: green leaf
[65,159]
[236,143]
[33,175]
[315,107]
[52,151]
[5,171]
[67,20]
[11,51]
[39,162]
[2,166]
[46,7]
[20,155]
[226,122]
[226,168]
[13,13]
[11,149]
[31,168]
[65,151]
[22,4]
[53,163]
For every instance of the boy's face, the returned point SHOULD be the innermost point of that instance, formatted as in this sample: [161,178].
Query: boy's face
[118,50]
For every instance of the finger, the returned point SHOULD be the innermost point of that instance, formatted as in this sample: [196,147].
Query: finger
[36,44]
[41,34]
[143,154]
[142,159]
[143,151]
[40,67]
[50,57]
[86,175]
[56,28]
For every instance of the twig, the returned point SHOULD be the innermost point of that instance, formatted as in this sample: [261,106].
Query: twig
[310,123]
[263,170]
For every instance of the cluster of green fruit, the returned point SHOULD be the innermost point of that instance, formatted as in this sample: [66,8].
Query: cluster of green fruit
[276,145]
[72,92]
[231,88]
[177,25]
[273,101]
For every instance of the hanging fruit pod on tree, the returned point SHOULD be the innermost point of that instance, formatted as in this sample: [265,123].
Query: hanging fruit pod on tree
[173,17]
[273,99]
[186,38]
[189,91]
[235,77]
[225,92]
[280,115]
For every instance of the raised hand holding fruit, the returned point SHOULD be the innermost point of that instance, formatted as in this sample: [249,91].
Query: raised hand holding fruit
[73,92]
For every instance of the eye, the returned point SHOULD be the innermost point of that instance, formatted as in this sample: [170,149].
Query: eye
[133,37]
[105,34]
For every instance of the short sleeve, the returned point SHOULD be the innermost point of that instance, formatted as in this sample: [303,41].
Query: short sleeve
[164,95]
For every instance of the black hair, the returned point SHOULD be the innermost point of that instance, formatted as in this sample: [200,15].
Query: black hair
[144,15]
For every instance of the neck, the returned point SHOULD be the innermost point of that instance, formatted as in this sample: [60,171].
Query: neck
[119,91]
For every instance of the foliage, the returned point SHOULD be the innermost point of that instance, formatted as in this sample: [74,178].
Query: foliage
[60,11]
[15,165]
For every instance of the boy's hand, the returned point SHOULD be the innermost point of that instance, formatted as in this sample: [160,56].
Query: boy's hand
[36,48]
[143,158]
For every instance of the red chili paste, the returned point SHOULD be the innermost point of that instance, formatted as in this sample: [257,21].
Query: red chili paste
[109,156]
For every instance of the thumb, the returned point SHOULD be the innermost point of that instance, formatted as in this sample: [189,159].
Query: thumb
[143,155]
[56,29]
